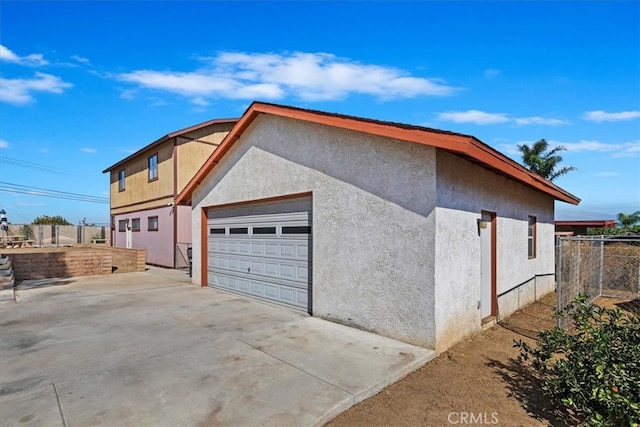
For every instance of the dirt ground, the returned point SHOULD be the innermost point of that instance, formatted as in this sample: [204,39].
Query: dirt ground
[476,382]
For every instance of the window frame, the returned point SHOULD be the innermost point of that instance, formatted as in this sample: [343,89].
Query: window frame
[122,177]
[154,168]
[122,225]
[135,221]
[532,236]
[149,227]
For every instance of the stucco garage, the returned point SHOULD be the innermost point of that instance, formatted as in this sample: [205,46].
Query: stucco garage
[416,234]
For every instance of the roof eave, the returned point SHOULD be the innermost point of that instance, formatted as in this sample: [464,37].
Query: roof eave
[463,145]
[167,137]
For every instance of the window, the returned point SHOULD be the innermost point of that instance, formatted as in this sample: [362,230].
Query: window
[153,167]
[122,225]
[153,223]
[264,230]
[135,224]
[121,177]
[239,230]
[531,237]
[301,229]
[217,231]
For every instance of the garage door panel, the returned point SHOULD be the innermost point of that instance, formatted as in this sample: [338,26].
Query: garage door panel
[262,250]
[292,296]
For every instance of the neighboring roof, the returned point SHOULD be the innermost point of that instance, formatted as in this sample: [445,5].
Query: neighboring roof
[465,146]
[166,138]
[601,223]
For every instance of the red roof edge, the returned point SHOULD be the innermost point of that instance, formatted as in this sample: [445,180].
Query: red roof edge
[460,144]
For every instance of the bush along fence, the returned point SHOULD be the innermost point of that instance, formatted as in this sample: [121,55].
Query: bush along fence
[60,235]
[598,266]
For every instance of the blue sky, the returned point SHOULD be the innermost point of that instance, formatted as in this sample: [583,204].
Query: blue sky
[84,84]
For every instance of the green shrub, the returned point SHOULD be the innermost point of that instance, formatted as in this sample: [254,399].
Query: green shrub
[594,370]
[613,231]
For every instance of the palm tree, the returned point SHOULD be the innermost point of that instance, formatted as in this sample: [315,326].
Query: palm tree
[627,220]
[542,161]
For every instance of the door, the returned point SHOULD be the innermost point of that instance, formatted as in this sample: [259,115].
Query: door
[487,265]
[262,250]
[129,236]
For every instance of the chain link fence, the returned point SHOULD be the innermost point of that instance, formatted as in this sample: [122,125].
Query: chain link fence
[598,266]
[54,235]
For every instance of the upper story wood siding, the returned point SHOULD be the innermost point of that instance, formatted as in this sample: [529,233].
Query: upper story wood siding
[179,158]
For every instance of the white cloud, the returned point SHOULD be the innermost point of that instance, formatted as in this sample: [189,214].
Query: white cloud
[33,60]
[127,93]
[81,59]
[607,174]
[618,149]
[540,121]
[473,116]
[200,101]
[622,149]
[4,144]
[308,76]
[603,116]
[88,150]
[491,73]
[20,91]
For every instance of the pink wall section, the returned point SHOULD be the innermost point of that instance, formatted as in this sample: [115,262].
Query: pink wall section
[159,245]
[184,224]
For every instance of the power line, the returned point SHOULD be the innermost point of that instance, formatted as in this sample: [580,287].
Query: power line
[31,165]
[34,191]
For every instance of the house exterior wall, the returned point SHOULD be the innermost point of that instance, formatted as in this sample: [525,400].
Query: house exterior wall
[138,188]
[464,190]
[373,227]
[179,158]
[158,245]
[191,155]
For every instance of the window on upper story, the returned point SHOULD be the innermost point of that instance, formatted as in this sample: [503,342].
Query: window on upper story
[153,167]
[121,178]
[153,223]
[531,237]
[122,225]
[135,224]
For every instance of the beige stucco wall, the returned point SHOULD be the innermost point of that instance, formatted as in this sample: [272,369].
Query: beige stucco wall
[373,222]
[464,190]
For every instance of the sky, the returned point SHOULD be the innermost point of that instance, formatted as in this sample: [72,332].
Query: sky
[83,84]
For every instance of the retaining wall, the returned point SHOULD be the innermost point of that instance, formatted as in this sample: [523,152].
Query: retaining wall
[41,263]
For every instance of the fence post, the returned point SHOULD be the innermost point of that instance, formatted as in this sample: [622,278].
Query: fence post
[559,284]
[41,234]
[601,264]
[57,228]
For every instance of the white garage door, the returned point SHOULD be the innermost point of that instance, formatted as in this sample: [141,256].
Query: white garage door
[262,250]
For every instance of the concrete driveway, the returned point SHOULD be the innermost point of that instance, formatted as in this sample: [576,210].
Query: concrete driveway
[149,349]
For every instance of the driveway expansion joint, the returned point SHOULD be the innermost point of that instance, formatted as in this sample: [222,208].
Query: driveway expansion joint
[297,368]
[55,390]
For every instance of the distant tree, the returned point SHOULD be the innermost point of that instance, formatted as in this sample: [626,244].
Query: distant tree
[50,220]
[542,161]
[627,220]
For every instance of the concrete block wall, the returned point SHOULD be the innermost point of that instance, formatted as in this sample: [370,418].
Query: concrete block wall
[60,263]
[124,260]
[42,263]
